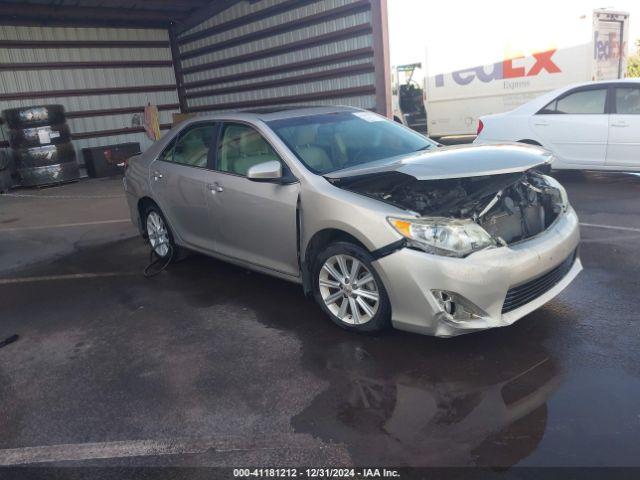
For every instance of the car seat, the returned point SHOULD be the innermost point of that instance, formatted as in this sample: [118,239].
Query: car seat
[306,146]
[246,149]
[194,149]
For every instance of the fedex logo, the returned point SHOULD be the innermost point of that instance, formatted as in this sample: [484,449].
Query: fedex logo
[503,70]
[607,49]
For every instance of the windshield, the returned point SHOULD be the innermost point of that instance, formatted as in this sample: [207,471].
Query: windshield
[329,142]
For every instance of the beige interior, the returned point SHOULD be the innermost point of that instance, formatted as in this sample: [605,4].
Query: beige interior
[241,148]
[306,146]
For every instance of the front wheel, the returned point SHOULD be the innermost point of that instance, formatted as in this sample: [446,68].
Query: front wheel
[349,289]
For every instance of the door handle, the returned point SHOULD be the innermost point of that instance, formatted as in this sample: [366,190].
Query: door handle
[215,187]
[541,123]
[620,124]
[157,175]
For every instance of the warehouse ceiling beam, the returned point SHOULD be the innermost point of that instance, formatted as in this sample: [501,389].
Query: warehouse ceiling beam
[152,4]
[208,10]
[65,15]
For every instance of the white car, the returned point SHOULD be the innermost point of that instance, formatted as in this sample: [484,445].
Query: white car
[590,126]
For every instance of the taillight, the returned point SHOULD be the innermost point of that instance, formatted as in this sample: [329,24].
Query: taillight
[480,127]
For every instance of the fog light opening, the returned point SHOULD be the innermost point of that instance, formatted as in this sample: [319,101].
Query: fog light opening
[457,308]
[448,305]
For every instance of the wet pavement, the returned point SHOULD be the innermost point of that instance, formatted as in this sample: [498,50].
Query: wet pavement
[208,364]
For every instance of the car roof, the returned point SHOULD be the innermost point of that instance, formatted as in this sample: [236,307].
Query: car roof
[620,80]
[267,114]
[571,86]
[603,82]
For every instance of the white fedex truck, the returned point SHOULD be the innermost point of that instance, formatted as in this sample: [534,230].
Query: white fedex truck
[511,71]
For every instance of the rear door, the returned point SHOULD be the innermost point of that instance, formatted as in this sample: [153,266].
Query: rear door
[575,127]
[256,221]
[179,179]
[624,127]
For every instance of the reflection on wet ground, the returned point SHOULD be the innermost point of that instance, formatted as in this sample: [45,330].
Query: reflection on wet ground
[412,411]
[210,349]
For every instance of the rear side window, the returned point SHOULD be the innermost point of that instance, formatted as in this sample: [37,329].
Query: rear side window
[628,100]
[583,102]
[192,147]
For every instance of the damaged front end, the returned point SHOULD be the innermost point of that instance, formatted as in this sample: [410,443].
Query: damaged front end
[457,216]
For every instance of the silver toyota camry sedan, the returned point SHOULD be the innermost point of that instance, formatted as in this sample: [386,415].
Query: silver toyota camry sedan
[380,224]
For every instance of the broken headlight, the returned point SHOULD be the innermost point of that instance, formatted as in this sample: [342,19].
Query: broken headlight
[561,198]
[443,236]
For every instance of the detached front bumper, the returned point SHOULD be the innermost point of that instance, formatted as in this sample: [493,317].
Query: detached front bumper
[541,266]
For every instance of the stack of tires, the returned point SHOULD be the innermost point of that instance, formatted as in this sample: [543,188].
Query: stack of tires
[5,172]
[41,143]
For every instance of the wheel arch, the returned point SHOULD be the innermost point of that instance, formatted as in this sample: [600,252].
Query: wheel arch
[341,242]
[530,141]
[318,241]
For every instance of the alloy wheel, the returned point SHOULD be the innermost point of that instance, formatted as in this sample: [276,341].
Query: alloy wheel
[349,290]
[158,234]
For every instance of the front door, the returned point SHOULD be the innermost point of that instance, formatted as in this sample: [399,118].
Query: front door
[256,222]
[624,128]
[179,179]
[575,127]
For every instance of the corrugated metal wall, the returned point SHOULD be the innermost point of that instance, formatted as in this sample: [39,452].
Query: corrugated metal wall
[103,77]
[253,53]
[281,52]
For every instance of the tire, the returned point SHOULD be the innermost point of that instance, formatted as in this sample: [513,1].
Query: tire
[5,160]
[152,215]
[30,137]
[46,155]
[6,182]
[48,174]
[25,117]
[379,316]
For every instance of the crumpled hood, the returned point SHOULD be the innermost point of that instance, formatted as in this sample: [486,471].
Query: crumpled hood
[458,161]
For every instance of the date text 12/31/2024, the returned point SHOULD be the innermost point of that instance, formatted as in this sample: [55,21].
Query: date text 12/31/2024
[315,473]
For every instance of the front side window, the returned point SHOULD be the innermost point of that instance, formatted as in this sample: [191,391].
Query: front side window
[579,103]
[328,142]
[241,147]
[192,147]
[628,100]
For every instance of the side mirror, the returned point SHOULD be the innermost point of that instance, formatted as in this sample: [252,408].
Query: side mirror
[265,172]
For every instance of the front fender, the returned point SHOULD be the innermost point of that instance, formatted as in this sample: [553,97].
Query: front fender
[332,208]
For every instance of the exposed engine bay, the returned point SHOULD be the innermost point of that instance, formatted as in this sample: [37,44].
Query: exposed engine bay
[510,207]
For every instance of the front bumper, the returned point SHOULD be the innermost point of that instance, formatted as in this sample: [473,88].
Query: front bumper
[483,278]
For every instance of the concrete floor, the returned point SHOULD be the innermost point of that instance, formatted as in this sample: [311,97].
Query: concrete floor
[208,364]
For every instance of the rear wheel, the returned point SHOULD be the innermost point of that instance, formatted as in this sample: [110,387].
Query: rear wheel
[158,234]
[349,290]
